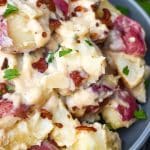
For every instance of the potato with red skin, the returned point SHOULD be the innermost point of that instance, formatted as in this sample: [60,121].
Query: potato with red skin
[129,35]
[119,112]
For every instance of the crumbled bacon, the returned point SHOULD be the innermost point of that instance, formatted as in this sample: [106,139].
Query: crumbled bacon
[77,78]
[22,111]
[106,19]
[5,64]
[44,34]
[92,109]
[3,88]
[3,2]
[86,128]
[41,65]
[46,114]
[94,36]
[54,23]
[46,145]
[7,109]
[79,9]
[59,125]
[49,3]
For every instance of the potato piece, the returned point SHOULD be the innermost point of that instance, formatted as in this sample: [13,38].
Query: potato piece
[102,139]
[119,112]
[25,33]
[136,67]
[139,92]
[113,118]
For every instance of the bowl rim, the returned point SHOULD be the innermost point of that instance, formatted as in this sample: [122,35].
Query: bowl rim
[146,133]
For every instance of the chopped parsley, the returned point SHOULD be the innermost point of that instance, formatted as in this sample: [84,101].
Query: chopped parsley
[140,114]
[10,74]
[50,57]
[10,88]
[88,42]
[126,70]
[10,9]
[65,51]
[123,10]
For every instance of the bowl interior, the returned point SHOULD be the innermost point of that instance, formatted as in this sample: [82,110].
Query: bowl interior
[134,137]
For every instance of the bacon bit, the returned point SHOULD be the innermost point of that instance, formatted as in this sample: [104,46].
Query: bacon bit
[97,24]
[3,88]
[92,109]
[46,114]
[68,116]
[41,65]
[94,36]
[106,19]
[74,108]
[6,108]
[79,9]
[54,23]
[49,3]
[95,7]
[59,125]
[76,77]
[3,2]
[22,111]
[86,128]
[73,14]
[44,34]
[5,64]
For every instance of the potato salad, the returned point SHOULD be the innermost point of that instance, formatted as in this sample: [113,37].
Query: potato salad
[72,72]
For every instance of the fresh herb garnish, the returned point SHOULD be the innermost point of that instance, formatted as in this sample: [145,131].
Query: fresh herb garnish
[145,4]
[140,114]
[11,74]
[88,42]
[10,88]
[126,70]
[65,51]
[10,9]
[50,57]
[123,10]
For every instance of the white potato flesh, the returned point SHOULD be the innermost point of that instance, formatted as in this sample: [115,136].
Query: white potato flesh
[17,31]
[112,117]
[139,92]
[26,33]
[135,65]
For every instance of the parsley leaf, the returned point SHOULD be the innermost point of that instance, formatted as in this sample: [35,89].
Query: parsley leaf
[64,52]
[123,10]
[11,74]
[126,70]
[88,42]
[147,83]
[140,114]
[10,9]
[50,57]
[10,88]
[145,4]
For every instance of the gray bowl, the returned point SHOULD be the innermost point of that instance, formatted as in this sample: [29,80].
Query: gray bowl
[134,137]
